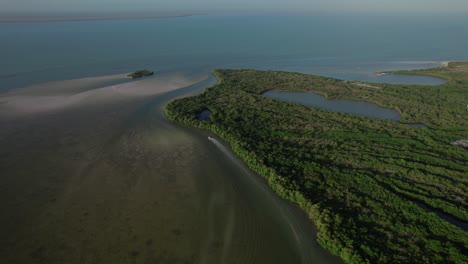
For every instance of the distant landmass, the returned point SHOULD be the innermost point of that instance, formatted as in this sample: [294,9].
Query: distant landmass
[52,18]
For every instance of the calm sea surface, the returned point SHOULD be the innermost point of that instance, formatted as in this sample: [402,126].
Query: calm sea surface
[351,47]
[113,181]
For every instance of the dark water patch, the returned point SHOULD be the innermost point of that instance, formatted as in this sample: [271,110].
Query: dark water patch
[205,115]
[418,125]
[344,106]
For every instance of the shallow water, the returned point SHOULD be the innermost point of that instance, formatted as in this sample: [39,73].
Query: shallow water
[351,47]
[119,183]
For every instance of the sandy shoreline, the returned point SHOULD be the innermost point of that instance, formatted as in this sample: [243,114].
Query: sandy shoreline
[56,96]
[86,18]
[443,64]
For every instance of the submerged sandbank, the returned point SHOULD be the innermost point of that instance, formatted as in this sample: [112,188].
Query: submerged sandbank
[71,86]
[88,91]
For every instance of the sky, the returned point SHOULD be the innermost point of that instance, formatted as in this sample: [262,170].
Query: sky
[339,6]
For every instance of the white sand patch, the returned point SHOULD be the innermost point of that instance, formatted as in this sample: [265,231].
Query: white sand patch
[60,95]
[69,86]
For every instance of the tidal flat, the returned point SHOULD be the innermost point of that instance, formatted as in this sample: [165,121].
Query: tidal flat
[113,181]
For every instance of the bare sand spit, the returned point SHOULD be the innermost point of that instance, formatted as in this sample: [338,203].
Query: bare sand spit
[68,87]
[56,96]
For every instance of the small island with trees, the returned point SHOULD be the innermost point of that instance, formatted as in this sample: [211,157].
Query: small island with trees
[378,191]
[140,74]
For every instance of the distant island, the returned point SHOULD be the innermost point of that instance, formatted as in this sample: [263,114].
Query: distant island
[378,191]
[52,18]
[140,73]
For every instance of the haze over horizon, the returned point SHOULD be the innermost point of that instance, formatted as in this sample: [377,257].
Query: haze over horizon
[325,6]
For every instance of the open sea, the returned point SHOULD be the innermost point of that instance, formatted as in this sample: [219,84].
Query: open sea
[342,46]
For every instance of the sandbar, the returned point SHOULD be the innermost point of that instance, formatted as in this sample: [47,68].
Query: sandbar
[56,96]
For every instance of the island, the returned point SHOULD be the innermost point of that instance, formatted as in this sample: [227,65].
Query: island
[140,73]
[378,191]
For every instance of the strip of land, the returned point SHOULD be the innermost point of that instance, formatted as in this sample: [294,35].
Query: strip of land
[87,17]
[378,191]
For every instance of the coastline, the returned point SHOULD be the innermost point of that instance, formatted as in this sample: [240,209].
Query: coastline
[88,18]
[59,95]
[443,64]
[333,243]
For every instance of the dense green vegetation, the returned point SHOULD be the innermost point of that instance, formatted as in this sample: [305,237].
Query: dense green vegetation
[374,188]
[141,73]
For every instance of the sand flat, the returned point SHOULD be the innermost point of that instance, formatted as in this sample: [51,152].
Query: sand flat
[79,92]
[72,86]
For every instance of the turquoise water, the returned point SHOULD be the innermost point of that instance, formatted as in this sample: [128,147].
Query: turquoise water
[347,47]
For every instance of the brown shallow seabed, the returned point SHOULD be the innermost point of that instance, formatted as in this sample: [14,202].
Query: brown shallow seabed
[112,181]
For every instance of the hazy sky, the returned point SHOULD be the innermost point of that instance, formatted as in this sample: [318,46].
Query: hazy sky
[342,6]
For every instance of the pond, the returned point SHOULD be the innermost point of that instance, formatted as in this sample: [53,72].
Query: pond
[205,115]
[360,108]
[344,106]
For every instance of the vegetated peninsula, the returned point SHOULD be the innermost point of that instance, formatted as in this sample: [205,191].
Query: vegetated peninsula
[378,191]
[140,73]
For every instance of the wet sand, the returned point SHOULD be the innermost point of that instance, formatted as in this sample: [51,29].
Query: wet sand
[87,91]
[115,182]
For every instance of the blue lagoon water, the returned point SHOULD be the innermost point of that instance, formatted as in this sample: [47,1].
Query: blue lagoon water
[110,180]
[344,106]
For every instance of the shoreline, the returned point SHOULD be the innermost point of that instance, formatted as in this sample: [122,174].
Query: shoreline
[82,92]
[178,112]
[443,64]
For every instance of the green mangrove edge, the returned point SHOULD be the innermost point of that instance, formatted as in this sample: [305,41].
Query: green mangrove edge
[378,191]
